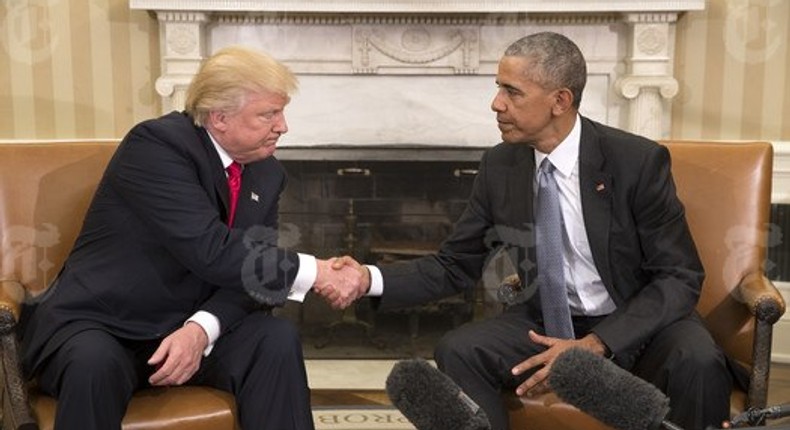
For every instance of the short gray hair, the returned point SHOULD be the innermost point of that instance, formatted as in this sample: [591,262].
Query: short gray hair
[556,62]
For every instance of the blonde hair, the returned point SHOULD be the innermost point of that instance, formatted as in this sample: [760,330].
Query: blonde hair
[227,77]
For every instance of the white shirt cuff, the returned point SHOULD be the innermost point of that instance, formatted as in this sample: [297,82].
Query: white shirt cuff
[210,324]
[376,282]
[305,278]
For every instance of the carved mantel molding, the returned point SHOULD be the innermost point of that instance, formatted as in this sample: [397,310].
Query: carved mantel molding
[352,52]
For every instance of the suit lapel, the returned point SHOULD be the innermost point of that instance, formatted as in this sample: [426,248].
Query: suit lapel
[596,194]
[219,178]
[252,197]
[519,189]
[519,185]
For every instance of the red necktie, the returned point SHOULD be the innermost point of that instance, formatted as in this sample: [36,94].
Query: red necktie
[234,186]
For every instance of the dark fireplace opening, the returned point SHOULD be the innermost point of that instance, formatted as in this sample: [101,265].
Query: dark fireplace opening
[777,265]
[379,206]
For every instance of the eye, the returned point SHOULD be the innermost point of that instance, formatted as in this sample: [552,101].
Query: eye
[510,90]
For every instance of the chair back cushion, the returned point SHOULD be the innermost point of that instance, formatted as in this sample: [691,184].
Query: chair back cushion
[45,190]
[726,190]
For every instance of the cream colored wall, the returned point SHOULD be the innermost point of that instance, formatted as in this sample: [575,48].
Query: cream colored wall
[85,69]
[732,63]
[75,69]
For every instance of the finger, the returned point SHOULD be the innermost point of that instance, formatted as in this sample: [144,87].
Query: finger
[338,304]
[330,295]
[530,363]
[163,362]
[160,376]
[540,339]
[339,262]
[526,388]
[159,355]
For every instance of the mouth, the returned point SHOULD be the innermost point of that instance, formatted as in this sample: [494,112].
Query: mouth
[504,125]
[270,142]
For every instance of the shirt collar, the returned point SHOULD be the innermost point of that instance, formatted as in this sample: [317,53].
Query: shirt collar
[565,155]
[223,155]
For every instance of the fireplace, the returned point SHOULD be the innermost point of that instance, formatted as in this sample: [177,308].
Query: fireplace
[378,204]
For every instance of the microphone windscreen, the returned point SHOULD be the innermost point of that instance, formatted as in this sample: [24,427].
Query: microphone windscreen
[600,388]
[430,400]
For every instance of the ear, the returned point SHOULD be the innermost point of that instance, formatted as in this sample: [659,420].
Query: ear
[217,120]
[563,101]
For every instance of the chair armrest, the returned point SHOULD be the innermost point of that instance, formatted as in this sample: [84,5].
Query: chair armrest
[12,293]
[15,403]
[765,302]
[762,298]
[512,280]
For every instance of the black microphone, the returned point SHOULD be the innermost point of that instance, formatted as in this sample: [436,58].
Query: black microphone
[614,396]
[430,400]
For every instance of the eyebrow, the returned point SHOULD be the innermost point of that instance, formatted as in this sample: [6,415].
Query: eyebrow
[509,87]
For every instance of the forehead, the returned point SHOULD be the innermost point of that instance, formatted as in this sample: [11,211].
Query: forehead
[265,99]
[513,70]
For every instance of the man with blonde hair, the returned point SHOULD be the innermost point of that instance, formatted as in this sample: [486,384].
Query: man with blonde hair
[175,272]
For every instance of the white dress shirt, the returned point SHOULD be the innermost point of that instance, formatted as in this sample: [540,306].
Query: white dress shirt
[586,293]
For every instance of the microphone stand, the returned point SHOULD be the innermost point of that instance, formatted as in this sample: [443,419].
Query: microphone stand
[757,417]
[669,425]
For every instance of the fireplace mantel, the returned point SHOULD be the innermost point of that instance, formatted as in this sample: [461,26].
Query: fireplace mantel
[420,6]
[421,72]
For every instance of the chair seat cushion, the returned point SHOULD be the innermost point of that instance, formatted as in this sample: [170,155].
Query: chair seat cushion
[548,412]
[171,408]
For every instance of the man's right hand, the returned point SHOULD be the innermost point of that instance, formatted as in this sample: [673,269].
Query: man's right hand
[341,281]
[178,356]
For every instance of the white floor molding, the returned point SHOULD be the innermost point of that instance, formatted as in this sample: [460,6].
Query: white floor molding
[348,374]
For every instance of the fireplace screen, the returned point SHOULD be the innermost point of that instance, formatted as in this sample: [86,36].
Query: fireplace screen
[378,212]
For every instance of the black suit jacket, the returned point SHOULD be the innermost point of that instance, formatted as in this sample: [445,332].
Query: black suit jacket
[154,247]
[640,242]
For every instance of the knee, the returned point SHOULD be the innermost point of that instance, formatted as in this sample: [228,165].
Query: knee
[97,372]
[453,346]
[280,337]
[89,362]
[705,365]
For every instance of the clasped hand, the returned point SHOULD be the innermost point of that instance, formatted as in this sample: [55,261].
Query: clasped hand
[341,281]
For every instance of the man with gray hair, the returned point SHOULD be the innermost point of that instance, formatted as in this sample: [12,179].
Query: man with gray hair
[590,217]
[173,277]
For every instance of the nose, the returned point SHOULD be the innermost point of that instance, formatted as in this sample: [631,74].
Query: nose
[497,105]
[281,125]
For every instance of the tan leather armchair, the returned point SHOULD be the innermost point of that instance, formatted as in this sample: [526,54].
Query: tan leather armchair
[45,190]
[726,189]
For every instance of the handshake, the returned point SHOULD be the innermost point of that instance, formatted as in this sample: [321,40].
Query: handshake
[341,281]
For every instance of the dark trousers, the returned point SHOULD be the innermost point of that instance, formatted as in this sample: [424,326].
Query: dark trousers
[94,374]
[682,360]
